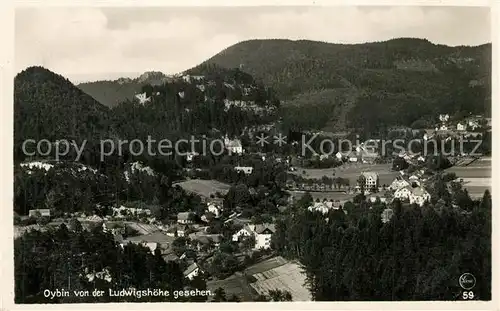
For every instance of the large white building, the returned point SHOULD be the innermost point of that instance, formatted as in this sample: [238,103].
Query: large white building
[261,232]
[371,179]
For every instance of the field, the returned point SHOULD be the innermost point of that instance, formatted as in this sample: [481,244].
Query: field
[286,276]
[204,187]
[476,177]
[273,273]
[352,172]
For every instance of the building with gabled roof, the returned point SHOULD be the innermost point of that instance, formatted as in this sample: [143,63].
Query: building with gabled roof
[192,271]
[261,232]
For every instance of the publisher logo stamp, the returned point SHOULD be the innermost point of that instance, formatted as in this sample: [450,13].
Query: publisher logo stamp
[467,281]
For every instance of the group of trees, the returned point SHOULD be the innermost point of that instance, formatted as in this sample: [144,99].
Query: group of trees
[338,182]
[72,260]
[66,190]
[418,255]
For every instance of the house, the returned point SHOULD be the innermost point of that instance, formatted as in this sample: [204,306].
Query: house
[461,126]
[192,271]
[245,169]
[325,206]
[261,232]
[42,212]
[206,238]
[184,218]
[403,193]
[233,146]
[371,179]
[151,245]
[177,230]
[319,207]
[419,196]
[152,241]
[443,127]
[214,209]
[444,117]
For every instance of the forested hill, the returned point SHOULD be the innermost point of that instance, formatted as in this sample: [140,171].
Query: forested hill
[48,106]
[410,78]
[215,102]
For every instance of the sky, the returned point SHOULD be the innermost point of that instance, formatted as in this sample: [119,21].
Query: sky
[92,43]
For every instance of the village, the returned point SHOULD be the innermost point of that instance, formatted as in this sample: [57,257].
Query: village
[236,255]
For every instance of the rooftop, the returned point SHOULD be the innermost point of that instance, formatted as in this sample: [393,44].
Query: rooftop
[190,269]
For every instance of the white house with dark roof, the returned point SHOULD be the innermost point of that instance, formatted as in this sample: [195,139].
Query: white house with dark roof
[398,183]
[461,126]
[261,232]
[403,193]
[419,196]
[233,145]
[192,271]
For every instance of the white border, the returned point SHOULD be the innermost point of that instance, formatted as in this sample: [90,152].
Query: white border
[6,160]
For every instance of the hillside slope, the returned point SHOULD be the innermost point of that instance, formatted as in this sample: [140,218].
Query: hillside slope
[48,106]
[442,78]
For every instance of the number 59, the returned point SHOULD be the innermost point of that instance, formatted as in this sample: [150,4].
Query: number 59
[468,295]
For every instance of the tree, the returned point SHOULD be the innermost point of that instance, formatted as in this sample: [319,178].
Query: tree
[219,295]
[305,201]
[75,225]
[279,295]
[179,245]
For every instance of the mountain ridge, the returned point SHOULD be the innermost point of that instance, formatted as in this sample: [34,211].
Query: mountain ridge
[404,67]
